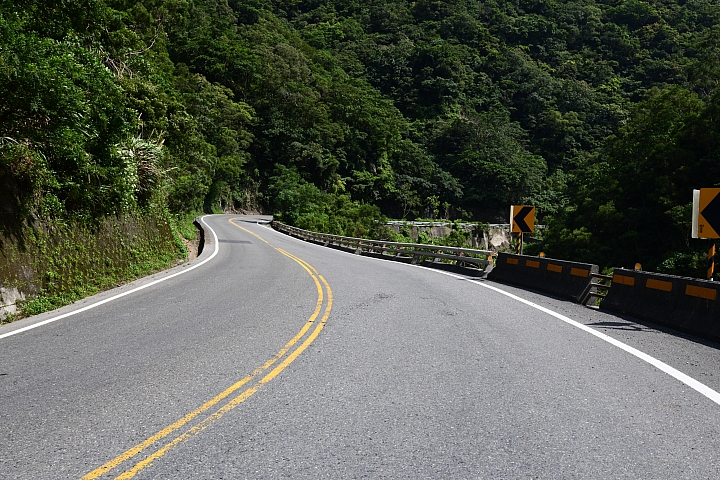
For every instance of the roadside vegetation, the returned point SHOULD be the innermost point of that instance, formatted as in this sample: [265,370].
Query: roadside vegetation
[337,115]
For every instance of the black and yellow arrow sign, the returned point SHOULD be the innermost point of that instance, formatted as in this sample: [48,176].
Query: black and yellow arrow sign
[709,208]
[522,219]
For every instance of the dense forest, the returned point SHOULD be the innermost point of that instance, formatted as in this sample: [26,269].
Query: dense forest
[602,113]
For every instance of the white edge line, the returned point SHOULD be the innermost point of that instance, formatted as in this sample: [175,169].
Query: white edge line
[119,295]
[659,364]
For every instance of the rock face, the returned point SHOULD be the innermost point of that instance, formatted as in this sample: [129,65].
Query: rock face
[496,238]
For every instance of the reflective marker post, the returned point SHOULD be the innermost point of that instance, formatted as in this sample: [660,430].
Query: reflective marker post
[519,247]
[711,261]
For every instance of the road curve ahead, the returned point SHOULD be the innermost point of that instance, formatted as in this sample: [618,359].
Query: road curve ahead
[268,357]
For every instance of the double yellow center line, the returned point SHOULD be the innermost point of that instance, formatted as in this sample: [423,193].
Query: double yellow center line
[206,414]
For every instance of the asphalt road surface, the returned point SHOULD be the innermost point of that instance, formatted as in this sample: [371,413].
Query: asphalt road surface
[268,357]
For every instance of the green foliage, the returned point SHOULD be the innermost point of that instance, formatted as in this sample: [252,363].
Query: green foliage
[302,204]
[65,109]
[456,238]
[184,224]
[634,205]
[600,113]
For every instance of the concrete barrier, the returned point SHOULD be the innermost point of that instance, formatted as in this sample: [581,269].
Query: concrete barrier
[686,304]
[558,277]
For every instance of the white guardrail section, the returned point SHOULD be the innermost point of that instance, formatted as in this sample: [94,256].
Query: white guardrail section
[417,251]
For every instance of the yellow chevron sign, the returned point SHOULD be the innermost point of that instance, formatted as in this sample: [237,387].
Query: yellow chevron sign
[522,219]
[706,213]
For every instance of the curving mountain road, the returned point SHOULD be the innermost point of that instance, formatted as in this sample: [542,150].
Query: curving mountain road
[268,357]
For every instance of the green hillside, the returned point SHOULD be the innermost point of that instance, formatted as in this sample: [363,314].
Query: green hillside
[602,113]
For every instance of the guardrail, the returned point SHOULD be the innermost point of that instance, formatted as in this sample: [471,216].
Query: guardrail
[416,251]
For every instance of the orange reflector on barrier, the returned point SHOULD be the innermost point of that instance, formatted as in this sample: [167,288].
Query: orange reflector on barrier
[512,261]
[624,280]
[659,285]
[702,292]
[532,264]
[554,268]
[579,272]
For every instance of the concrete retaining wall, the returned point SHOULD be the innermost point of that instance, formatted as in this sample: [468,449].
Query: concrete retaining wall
[59,259]
[686,304]
[558,277]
